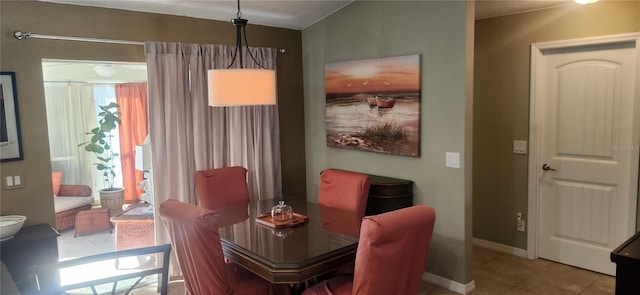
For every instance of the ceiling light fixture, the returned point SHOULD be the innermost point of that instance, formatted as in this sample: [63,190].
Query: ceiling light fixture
[586,1]
[240,86]
[106,70]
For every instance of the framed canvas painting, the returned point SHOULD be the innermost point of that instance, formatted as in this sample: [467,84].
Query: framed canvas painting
[10,145]
[374,105]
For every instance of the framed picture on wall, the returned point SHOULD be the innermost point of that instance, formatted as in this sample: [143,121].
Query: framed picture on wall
[10,144]
[374,105]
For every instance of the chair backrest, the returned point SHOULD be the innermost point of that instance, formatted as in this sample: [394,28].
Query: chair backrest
[196,242]
[392,251]
[217,188]
[344,190]
[46,277]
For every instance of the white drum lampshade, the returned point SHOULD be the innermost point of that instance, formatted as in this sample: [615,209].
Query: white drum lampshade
[241,87]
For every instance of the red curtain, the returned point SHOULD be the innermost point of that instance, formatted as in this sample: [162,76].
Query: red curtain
[132,98]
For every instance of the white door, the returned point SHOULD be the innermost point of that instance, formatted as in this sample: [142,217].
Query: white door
[588,141]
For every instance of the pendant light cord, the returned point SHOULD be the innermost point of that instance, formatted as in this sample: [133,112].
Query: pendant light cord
[240,24]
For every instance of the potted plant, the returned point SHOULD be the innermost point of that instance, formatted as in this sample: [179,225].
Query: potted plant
[100,144]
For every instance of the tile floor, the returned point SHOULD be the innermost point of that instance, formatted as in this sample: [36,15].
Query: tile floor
[494,273]
[70,247]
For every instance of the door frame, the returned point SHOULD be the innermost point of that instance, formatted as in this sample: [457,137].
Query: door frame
[535,107]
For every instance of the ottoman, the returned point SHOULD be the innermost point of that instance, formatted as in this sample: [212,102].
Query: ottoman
[92,221]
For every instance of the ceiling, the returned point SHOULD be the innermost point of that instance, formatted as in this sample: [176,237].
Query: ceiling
[292,14]
[493,8]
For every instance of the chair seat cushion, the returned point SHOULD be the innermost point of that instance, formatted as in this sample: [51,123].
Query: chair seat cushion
[63,203]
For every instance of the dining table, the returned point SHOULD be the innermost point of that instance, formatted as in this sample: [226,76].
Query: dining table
[323,241]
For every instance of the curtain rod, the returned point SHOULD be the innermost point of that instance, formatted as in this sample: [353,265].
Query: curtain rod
[94,82]
[28,35]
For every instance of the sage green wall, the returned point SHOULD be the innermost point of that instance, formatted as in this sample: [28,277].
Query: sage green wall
[24,57]
[437,31]
[501,103]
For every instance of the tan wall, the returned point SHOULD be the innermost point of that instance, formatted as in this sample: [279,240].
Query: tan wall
[437,30]
[501,103]
[24,58]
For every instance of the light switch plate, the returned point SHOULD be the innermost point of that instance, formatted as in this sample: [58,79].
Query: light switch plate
[10,182]
[452,160]
[520,147]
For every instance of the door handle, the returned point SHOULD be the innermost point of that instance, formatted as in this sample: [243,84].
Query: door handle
[546,167]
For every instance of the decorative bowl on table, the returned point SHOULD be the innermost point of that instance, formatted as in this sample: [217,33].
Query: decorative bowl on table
[10,225]
[282,212]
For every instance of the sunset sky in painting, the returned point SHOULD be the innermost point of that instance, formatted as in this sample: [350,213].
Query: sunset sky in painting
[400,73]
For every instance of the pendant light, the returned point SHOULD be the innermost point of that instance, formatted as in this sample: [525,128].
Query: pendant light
[240,86]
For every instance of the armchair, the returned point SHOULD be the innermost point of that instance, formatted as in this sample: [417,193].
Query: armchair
[68,201]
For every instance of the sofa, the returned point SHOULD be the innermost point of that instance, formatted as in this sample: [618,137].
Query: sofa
[68,200]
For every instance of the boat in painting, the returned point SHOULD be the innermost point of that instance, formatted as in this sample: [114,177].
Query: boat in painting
[372,101]
[385,102]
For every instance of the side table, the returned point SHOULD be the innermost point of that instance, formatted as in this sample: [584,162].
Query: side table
[134,227]
[36,244]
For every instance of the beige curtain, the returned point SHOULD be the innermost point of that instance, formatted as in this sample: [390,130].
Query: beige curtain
[187,135]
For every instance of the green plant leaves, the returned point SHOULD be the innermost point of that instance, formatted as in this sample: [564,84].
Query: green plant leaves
[94,148]
[100,142]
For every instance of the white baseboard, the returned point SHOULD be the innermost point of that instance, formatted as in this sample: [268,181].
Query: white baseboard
[500,248]
[448,284]
[464,289]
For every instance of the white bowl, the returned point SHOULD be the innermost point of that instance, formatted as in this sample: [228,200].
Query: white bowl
[10,225]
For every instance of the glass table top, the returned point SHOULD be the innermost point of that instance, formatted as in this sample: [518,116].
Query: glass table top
[328,233]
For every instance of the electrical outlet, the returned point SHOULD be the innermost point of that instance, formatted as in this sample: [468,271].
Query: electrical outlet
[520,147]
[520,222]
[452,160]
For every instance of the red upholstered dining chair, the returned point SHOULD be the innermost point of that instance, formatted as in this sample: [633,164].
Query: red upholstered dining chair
[344,190]
[196,242]
[217,188]
[347,191]
[392,250]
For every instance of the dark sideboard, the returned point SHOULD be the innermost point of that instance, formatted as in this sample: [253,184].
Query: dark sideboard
[627,259]
[387,194]
[36,244]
